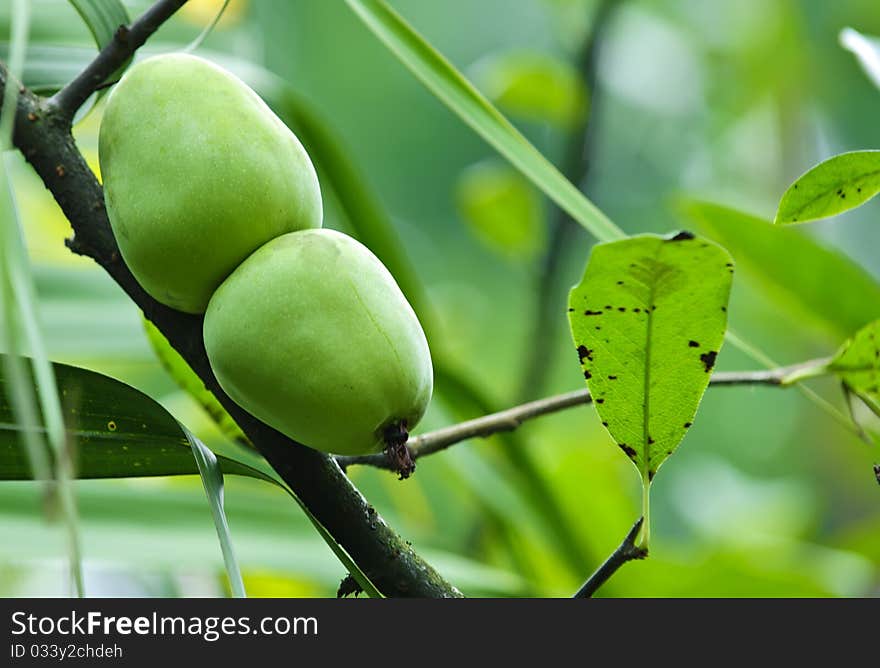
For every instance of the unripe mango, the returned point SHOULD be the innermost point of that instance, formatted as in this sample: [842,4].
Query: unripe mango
[312,335]
[198,173]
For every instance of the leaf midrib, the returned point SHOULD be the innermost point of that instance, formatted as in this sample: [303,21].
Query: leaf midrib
[647,379]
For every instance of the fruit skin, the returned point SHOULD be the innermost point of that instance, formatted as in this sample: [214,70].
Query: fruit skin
[312,336]
[198,173]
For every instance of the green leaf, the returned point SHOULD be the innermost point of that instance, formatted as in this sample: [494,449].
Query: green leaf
[793,268]
[212,481]
[502,208]
[648,319]
[454,90]
[838,184]
[190,382]
[866,49]
[118,432]
[857,363]
[534,86]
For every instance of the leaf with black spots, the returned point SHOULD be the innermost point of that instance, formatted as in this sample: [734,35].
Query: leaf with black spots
[834,186]
[649,364]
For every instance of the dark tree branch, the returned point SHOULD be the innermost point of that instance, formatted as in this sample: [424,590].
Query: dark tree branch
[576,164]
[510,419]
[627,551]
[43,135]
[125,42]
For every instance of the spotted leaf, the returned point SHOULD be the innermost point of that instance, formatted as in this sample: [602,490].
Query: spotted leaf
[839,184]
[648,320]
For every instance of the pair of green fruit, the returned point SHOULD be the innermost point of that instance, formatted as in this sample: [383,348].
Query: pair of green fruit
[216,208]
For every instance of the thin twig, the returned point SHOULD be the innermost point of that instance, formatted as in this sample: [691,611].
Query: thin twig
[626,551]
[510,419]
[125,42]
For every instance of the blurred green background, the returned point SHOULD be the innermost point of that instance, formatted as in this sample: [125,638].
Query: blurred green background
[722,100]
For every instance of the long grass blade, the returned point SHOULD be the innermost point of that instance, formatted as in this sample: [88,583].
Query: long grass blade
[19,296]
[212,481]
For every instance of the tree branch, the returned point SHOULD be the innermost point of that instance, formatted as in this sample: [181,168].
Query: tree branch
[626,551]
[512,418]
[125,42]
[43,135]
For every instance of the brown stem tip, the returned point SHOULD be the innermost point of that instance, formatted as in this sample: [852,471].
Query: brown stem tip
[399,456]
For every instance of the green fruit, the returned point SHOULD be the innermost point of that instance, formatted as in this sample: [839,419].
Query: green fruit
[198,173]
[312,336]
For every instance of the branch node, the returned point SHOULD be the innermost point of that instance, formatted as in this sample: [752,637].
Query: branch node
[626,551]
[75,246]
[121,34]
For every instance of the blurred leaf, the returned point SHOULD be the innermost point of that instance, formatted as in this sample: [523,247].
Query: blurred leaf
[866,49]
[189,381]
[648,319]
[117,431]
[454,90]
[212,481]
[534,86]
[836,185]
[502,208]
[147,527]
[858,365]
[802,276]
[103,18]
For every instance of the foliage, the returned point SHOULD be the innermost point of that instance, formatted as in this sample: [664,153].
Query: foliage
[757,503]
